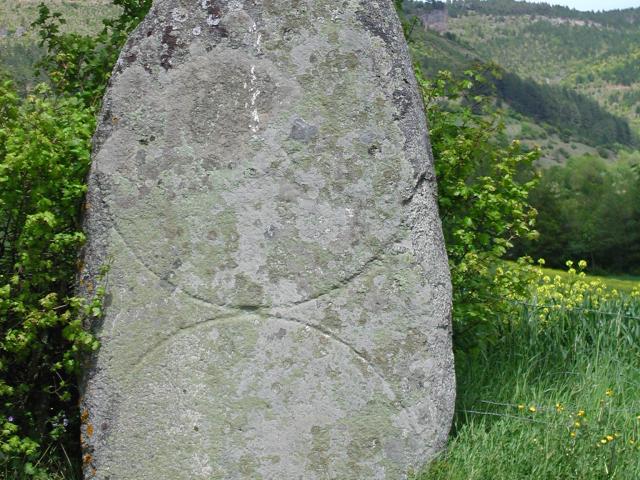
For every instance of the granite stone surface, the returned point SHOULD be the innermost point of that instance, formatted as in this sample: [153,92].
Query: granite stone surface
[278,297]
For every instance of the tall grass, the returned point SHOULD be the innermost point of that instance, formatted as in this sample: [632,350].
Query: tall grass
[557,395]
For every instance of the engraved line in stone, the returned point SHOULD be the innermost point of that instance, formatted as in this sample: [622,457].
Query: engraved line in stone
[343,282]
[338,339]
[139,363]
[262,311]
[339,284]
[155,274]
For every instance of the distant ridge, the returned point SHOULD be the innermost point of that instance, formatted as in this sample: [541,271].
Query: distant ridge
[621,17]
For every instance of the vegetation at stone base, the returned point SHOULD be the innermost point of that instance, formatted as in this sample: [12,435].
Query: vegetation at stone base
[557,395]
[589,208]
[44,156]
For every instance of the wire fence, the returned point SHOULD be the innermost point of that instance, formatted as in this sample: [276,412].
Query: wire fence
[506,415]
[538,306]
[564,406]
[580,309]
[539,409]
[634,408]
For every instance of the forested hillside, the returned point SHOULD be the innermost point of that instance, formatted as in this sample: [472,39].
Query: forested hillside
[594,53]
[577,111]
[567,82]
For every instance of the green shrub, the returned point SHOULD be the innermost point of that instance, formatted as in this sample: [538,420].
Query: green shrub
[603,152]
[483,202]
[45,141]
[563,152]
[44,156]
[81,65]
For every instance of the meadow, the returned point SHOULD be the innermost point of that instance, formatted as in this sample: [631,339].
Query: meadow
[557,395]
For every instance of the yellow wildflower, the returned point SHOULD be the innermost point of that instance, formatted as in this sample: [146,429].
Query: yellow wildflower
[609,392]
[582,264]
[581,413]
[610,438]
[532,409]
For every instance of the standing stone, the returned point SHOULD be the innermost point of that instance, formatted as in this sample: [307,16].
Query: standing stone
[278,297]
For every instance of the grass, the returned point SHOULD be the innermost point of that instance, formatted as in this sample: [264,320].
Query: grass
[557,395]
[54,464]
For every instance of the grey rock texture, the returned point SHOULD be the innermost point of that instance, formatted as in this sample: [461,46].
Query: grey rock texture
[278,297]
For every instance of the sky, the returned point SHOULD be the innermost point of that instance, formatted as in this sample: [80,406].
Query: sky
[593,4]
